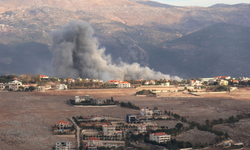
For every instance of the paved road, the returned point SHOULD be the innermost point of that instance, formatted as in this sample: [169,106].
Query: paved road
[77,134]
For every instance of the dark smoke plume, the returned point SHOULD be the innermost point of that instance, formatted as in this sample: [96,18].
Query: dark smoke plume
[76,53]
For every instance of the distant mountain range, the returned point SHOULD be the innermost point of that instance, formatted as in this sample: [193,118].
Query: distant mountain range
[182,41]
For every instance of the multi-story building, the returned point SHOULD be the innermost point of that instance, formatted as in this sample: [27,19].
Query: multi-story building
[98,118]
[44,77]
[165,84]
[63,146]
[14,87]
[141,128]
[88,97]
[97,101]
[61,87]
[62,124]
[15,82]
[146,112]
[93,143]
[77,99]
[108,130]
[160,137]
[195,83]
[115,81]
[71,80]
[157,112]
[131,118]
[206,79]
[2,86]
[223,82]
[41,89]
[123,84]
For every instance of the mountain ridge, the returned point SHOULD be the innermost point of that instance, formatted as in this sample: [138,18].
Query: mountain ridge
[118,28]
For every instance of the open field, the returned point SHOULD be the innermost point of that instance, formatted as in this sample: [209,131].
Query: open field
[239,130]
[26,118]
[196,136]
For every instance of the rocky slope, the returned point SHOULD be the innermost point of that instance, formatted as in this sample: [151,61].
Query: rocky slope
[139,30]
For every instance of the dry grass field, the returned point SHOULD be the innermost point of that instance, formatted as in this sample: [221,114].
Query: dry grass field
[26,118]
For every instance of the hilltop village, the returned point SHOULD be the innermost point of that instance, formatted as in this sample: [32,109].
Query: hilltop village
[147,127]
[42,83]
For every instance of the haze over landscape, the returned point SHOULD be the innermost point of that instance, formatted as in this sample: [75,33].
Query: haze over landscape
[124,74]
[179,41]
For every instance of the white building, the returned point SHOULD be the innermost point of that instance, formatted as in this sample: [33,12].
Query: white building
[77,99]
[63,146]
[13,87]
[15,82]
[141,128]
[157,111]
[41,89]
[44,77]
[160,137]
[211,81]
[146,112]
[195,83]
[123,84]
[71,80]
[165,84]
[97,101]
[223,77]
[61,87]
[2,86]
[152,82]
[206,79]
[108,130]
[93,143]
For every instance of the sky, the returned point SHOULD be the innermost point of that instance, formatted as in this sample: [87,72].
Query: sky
[204,3]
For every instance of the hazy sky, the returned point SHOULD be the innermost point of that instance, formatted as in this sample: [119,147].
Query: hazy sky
[205,3]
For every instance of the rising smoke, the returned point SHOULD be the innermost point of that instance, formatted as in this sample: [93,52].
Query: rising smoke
[76,53]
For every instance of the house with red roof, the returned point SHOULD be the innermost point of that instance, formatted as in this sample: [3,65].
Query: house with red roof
[44,77]
[123,84]
[235,81]
[195,83]
[62,124]
[160,137]
[71,80]
[222,77]
[152,82]
[93,143]
[115,81]
[23,75]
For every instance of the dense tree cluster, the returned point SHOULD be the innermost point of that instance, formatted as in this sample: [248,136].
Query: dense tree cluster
[129,105]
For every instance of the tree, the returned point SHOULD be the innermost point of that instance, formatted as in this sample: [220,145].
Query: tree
[32,88]
[21,87]
[207,122]
[226,135]
[179,126]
